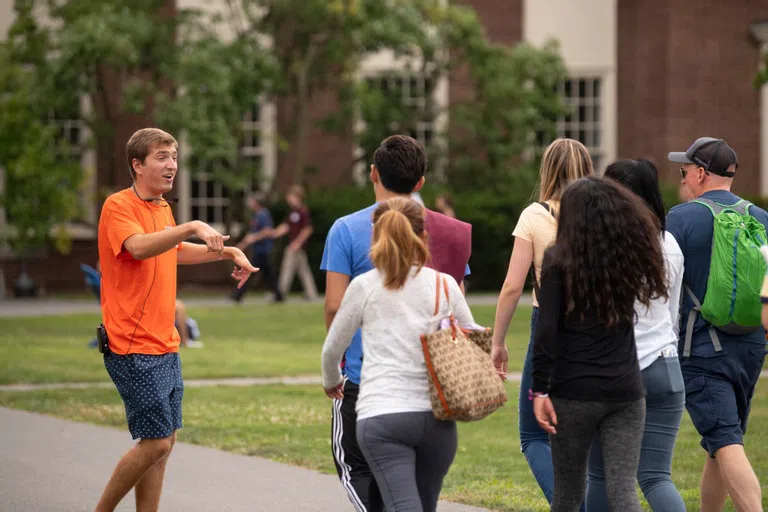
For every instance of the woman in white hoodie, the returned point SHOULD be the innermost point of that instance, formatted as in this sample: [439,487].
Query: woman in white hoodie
[407,449]
[656,339]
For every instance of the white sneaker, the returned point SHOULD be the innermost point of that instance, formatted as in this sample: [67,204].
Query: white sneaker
[194,344]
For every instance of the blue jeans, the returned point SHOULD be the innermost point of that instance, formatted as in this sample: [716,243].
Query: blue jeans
[534,441]
[665,403]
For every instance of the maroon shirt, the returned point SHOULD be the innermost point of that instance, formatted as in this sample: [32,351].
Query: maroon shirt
[450,244]
[297,220]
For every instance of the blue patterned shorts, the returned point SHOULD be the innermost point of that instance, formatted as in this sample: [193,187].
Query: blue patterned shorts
[151,388]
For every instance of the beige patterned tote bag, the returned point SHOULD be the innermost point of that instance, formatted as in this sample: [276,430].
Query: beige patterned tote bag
[463,383]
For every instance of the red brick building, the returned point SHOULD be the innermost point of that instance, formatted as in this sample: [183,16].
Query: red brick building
[645,78]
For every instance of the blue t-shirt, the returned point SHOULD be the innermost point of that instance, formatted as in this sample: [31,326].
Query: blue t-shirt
[347,249]
[261,220]
[692,226]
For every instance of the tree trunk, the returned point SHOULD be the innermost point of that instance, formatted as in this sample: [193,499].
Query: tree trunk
[302,114]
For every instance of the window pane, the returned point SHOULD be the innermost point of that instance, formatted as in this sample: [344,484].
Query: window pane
[210,213]
[415,91]
[583,114]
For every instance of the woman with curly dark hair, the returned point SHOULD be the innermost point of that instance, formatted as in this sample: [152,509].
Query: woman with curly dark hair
[586,378]
[656,337]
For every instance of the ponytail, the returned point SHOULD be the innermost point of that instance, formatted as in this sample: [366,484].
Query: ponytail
[397,246]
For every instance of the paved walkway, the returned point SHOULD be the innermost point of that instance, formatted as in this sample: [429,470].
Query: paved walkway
[48,464]
[47,307]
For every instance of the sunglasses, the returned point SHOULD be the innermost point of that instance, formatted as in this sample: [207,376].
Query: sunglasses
[684,172]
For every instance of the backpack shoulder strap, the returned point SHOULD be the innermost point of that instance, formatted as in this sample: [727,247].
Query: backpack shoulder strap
[711,205]
[741,206]
[696,310]
[532,270]
[547,207]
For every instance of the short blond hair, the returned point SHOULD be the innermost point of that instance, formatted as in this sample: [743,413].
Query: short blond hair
[143,141]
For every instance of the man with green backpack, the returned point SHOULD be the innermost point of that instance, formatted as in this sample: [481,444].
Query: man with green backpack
[721,338]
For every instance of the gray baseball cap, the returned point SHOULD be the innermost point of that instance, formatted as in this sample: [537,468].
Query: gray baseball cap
[714,155]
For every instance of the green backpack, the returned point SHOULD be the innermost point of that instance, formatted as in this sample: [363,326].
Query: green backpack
[732,302]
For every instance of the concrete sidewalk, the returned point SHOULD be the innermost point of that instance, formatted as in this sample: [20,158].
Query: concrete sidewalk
[48,464]
[48,307]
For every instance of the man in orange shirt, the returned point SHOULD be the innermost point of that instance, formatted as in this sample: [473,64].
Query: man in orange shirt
[139,248]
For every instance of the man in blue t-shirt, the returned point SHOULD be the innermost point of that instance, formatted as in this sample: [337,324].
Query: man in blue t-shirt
[261,249]
[719,384]
[398,170]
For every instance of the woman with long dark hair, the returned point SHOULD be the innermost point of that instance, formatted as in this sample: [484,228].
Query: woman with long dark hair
[586,378]
[656,340]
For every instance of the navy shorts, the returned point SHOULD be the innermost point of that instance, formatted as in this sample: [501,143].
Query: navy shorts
[718,392]
[151,388]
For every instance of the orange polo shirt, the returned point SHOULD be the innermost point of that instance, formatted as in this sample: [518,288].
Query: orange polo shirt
[138,297]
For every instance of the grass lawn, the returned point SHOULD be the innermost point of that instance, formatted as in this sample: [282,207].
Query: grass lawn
[246,341]
[291,424]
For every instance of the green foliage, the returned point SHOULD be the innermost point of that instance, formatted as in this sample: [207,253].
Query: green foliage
[40,185]
[493,215]
[199,84]
[514,99]
[220,80]
[761,78]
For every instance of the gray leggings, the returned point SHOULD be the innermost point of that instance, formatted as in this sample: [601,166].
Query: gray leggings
[620,425]
[399,447]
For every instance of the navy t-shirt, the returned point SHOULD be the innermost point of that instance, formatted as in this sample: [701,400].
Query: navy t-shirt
[259,221]
[692,226]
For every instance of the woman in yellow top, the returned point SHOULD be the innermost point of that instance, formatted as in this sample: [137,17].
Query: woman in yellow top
[564,161]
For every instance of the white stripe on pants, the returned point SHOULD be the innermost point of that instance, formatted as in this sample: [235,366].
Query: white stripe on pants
[338,454]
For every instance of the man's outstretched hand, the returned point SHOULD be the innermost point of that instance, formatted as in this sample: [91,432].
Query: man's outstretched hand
[243,268]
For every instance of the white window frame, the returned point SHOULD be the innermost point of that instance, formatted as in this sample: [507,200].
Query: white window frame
[79,230]
[760,35]
[384,63]
[267,151]
[604,151]
[87,159]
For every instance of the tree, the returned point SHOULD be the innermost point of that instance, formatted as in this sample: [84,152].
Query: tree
[290,51]
[40,187]
[219,80]
[513,102]
[116,54]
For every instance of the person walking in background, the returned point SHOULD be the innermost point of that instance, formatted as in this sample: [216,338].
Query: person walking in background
[261,220]
[406,447]
[656,340]
[298,227]
[444,205]
[586,378]
[398,169]
[720,365]
[140,246]
[564,161]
